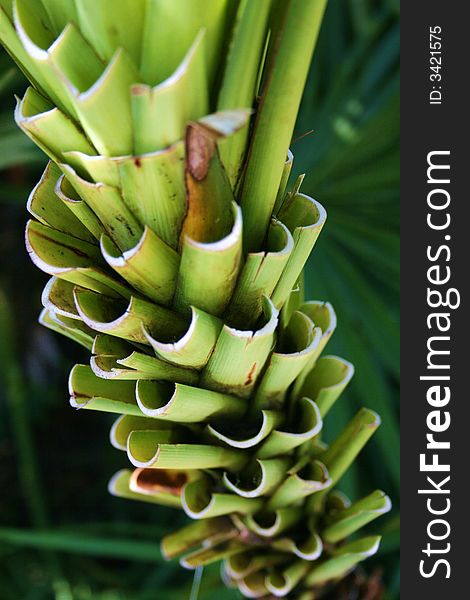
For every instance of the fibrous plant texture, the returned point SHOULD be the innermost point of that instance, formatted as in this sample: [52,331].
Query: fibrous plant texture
[176,255]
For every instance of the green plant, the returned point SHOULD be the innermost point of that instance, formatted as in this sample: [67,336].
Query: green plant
[194,313]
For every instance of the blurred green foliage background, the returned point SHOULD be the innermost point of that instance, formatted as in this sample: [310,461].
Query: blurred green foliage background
[62,536]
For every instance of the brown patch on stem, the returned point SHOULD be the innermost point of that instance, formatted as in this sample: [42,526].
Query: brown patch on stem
[153,481]
[249,377]
[200,149]
[208,192]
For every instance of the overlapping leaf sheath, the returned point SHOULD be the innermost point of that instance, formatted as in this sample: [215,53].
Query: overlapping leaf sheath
[176,259]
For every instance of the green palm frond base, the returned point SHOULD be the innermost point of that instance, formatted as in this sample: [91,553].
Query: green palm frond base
[176,258]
